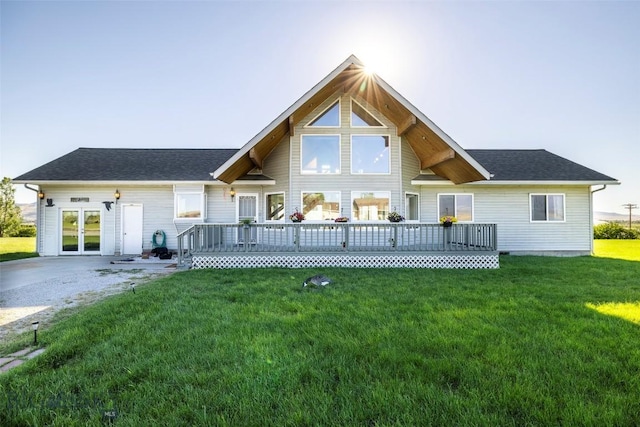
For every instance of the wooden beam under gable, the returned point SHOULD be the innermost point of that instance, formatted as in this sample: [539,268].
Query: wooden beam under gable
[437,158]
[255,158]
[407,124]
[292,126]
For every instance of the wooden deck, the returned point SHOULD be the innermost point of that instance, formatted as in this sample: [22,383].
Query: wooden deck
[343,243]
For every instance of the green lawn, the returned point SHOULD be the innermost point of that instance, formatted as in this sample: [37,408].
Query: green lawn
[17,248]
[621,249]
[537,342]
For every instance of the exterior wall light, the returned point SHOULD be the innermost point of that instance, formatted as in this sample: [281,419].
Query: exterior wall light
[117,195]
[40,194]
[232,193]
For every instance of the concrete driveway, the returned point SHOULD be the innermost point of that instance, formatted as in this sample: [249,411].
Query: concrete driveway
[34,289]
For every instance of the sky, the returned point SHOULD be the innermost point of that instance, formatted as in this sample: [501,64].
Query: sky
[563,76]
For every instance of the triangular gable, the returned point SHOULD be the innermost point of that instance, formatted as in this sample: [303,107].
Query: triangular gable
[434,148]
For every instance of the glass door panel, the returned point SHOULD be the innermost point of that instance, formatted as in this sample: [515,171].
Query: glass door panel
[70,231]
[91,231]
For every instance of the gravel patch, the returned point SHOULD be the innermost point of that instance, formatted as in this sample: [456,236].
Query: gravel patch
[41,301]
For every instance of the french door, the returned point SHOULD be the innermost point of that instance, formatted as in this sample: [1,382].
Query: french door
[81,231]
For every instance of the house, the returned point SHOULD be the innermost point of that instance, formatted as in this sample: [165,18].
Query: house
[351,147]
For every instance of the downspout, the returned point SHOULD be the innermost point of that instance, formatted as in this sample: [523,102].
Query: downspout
[39,220]
[591,213]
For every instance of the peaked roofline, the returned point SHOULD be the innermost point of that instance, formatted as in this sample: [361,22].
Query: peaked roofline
[282,121]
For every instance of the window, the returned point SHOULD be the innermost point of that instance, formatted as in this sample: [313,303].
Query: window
[275,207]
[369,154]
[189,205]
[320,206]
[370,206]
[458,205]
[547,207]
[320,154]
[411,207]
[360,117]
[328,118]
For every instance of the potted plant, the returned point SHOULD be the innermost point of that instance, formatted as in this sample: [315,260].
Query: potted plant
[296,216]
[342,219]
[447,220]
[395,217]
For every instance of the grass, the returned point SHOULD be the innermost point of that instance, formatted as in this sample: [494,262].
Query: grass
[620,249]
[522,345]
[12,248]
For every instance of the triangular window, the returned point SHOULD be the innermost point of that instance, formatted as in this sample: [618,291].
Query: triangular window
[329,117]
[360,117]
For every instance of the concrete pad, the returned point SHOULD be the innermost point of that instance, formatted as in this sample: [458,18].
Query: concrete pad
[10,365]
[38,352]
[21,352]
[5,360]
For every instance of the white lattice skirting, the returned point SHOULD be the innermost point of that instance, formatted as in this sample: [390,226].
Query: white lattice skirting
[353,261]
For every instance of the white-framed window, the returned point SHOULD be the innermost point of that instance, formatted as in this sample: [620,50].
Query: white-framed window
[320,154]
[190,205]
[275,207]
[361,117]
[459,205]
[547,207]
[329,117]
[370,205]
[370,154]
[321,205]
[412,206]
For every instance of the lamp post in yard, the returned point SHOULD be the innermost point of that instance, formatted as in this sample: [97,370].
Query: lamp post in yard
[35,325]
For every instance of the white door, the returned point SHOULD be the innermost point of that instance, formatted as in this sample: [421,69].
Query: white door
[247,209]
[81,231]
[131,229]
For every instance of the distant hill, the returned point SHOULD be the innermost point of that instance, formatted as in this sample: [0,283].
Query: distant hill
[28,212]
[612,216]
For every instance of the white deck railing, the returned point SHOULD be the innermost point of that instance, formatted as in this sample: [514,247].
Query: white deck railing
[221,239]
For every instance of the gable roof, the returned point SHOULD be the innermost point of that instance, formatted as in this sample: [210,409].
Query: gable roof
[434,148]
[126,164]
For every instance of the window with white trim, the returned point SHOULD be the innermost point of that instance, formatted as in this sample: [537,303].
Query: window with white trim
[361,117]
[370,205]
[412,206]
[275,207]
[190,205]
[547,207]
[458,205]
[370,154]
[330,117]
[320,154]
[321,205]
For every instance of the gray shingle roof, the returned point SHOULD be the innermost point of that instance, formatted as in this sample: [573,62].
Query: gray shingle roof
[533,165]
[124,164]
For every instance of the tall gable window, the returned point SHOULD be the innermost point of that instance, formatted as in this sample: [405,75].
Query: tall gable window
[370,154]
[320,154]
[361,117]
[458,205]
[547,207]
[328,118]
[370,206]
[321,205]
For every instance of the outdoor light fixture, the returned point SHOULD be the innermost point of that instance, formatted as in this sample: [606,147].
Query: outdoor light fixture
[232,193]
[40,194]
[35,325]
[117,195]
